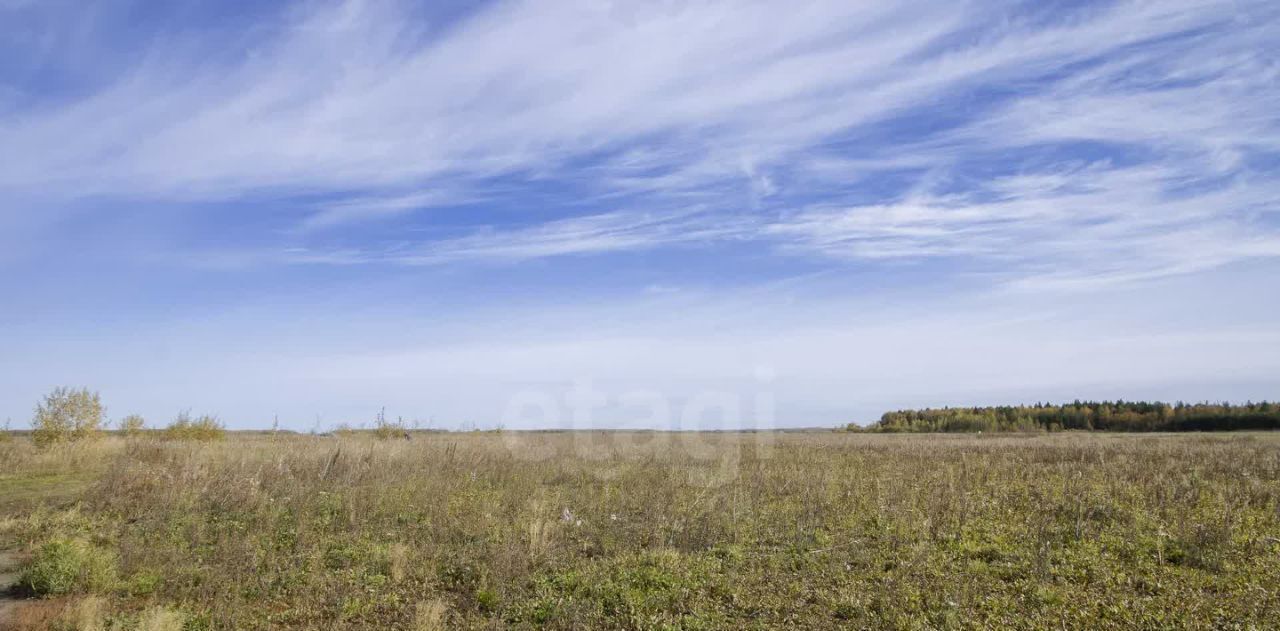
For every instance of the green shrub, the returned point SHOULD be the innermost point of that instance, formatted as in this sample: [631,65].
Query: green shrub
[141,584]
[70,566]
[67,414]
[204,428]
[487,600]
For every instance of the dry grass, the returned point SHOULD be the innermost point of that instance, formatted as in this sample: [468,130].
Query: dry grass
[638,531]
[429,615]
[86,614]
[160,619]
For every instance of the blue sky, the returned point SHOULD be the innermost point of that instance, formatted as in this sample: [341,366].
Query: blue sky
[756,214]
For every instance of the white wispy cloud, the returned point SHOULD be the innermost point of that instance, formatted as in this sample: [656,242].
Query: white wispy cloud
[350,95]
[1076,226]
[744,111]
[617,231]
[358,209]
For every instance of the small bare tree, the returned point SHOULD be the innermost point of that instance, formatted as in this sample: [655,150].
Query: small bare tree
[67,414]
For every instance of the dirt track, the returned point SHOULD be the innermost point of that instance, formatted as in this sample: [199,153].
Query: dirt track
[9,602]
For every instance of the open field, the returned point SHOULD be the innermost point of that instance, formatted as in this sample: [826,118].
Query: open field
[641,531]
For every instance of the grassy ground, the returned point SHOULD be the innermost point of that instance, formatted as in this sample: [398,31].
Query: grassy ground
[648,531]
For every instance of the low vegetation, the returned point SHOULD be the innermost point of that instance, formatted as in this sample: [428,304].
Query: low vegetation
[648,531]
[388,430]
[63,566]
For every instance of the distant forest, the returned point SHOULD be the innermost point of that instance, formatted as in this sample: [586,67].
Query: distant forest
[1117,416]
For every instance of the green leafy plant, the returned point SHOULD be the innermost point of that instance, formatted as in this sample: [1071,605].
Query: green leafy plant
[65,566]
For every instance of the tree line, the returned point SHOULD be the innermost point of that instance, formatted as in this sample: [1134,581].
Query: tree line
[1114,416]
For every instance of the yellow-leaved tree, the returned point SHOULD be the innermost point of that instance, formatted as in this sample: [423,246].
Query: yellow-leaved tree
[65,415]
